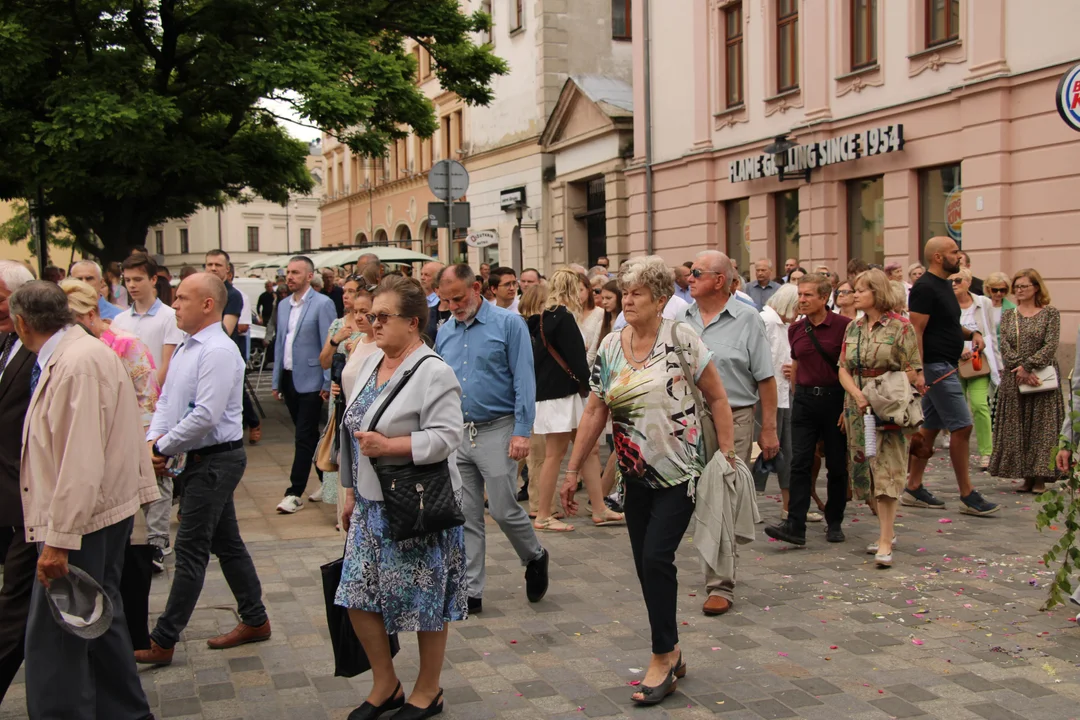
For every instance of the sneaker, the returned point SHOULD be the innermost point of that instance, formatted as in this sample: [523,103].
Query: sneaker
[814,517]
[984,463]
[975,504]
[613,504]
[157,559]
[315,496]
[289,505]
[785,533]
[945,441]
[872,548]
[536,578]
[523,493]
[167,550]
[921,498]
[834,533]
[475,605]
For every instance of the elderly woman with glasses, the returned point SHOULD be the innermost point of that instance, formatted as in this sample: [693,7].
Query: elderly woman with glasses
[1026,437]
[975,316]
[638,379]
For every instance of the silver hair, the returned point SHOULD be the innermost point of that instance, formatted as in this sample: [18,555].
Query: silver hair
[767,261]
[317,281]
[650,272]
[42,305]
[723,265]
[785,300]
[14,275]
[88,263]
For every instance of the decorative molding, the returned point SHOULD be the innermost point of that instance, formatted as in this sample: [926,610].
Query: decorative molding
[783,102]
[730,118]
[952,53]
[857,81]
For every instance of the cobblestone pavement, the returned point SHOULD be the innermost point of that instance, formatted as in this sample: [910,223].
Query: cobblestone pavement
[952,631]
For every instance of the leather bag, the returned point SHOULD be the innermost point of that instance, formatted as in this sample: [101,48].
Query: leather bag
[704,416]
[1048,376]
[325,457]
[974,367]
[419,498]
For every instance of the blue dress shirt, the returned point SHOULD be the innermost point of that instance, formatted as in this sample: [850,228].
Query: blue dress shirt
[492,357]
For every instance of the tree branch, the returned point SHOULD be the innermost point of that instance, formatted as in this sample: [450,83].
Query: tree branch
[88,45]
[137,23]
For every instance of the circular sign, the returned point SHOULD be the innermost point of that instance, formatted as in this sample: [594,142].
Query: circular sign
[954,221]
[482,239]
[1068,97]
[448,180]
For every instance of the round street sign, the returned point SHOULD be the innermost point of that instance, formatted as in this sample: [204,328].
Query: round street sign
[482,238]
[1068,97]
[448,180]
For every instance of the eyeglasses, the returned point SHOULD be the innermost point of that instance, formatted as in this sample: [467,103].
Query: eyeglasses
[698,272]
[957,282]
[1022,287]
[999,290]
[845,292]
[381,318]
[597,291]
[511,284]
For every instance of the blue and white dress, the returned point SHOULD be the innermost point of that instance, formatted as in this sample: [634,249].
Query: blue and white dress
[417,585]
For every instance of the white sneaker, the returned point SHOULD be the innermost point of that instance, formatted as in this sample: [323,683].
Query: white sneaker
[872,548]
[167,550]
[814,517]
[315,496]
[289,505]
[984,463]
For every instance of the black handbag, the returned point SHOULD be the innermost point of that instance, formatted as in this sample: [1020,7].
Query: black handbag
[349,657]
[419,498]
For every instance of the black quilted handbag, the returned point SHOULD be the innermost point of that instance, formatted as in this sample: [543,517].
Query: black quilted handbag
[419,498]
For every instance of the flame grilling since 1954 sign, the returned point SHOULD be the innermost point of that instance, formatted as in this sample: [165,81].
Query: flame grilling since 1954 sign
[875,141]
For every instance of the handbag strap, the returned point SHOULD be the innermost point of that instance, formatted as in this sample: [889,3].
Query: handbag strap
[834,362]
[555,353]
[394,393]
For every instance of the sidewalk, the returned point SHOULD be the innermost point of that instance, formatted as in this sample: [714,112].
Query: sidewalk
[952,631]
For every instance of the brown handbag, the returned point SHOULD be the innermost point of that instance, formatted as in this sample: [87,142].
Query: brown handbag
[325,459]
[582,391]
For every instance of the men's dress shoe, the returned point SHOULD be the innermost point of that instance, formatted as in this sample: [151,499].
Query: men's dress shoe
[476,605]
[156,655]
[367,711]
[411,712]
[784,532]
[716,605]
[240,635]
[536,579]
[835,533]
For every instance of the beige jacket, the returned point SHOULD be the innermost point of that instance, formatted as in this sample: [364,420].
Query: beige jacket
[85,463]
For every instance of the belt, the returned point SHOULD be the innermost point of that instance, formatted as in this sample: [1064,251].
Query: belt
[472,428]
[219,448]
[818,390]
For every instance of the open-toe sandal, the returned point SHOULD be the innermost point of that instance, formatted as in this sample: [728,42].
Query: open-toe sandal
[655,695]
[610,517]
[552,524]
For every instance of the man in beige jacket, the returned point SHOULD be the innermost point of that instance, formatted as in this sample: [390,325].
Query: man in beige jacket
[85,473]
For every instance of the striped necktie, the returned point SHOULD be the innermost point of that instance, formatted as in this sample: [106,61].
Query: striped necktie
[35,375]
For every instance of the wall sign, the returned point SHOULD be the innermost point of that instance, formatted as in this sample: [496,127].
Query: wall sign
[954,221]
[845,148]
[483,238]
[512,198]
[1068,97]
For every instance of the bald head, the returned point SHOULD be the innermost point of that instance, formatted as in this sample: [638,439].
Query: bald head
[942,256]
[199,303]
[714,283]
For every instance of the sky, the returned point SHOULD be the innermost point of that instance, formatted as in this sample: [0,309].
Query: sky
[281,109]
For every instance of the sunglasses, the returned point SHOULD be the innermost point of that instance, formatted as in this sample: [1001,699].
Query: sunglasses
[597,291]
[698,272]
[381,318]
[999,290]
[957,282]
[845,292]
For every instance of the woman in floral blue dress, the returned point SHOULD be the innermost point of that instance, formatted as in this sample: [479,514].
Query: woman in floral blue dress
[416,585]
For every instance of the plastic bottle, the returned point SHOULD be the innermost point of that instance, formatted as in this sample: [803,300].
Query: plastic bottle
[870,427]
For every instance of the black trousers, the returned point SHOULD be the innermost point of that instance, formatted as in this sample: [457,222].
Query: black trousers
[305,409]
[814,418]
[20,570]
[656,521]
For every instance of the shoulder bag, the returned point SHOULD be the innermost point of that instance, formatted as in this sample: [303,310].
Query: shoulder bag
[833,362]
[419,498]
[704,417]
[583,390]
[1048,377]
[889,394]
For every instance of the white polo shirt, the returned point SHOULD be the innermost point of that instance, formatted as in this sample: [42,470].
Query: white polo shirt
[156,327]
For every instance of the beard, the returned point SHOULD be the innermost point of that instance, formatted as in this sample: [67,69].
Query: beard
[951,269]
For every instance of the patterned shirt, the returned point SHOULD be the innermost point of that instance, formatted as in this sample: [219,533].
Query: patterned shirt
[139,363]
[657,437]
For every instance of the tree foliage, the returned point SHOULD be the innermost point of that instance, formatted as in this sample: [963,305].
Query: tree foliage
[17,229]
[131,112]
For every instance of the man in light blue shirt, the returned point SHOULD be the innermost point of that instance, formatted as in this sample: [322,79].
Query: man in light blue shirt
[765,286]
[198,414]
[490,350]
[90,273]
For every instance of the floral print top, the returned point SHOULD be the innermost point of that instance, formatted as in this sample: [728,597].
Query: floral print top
[653,420]
[140,367]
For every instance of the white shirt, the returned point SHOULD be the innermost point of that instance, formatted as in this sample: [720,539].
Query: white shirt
[513,306]
[671,309]
[777,333]
[200,404]
[156,328]
[49,347]
[18,344]
[294,319]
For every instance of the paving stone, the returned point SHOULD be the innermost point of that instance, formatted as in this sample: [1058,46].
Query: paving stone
[287,680]
[796,698]
[911,693]
[460,695]
[180,707]
[897,708]
[771,709]
[990,711]
[535,689]
[974,682]
[817,686]
[719,703]
[1025,687]
[217,691]
[244,664]
[793,633]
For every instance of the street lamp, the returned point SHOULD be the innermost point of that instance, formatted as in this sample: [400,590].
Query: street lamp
[778,148]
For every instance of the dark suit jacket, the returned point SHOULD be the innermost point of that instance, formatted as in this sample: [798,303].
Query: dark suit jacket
[14,400]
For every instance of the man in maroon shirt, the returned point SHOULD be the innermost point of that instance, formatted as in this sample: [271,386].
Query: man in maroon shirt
[816,341]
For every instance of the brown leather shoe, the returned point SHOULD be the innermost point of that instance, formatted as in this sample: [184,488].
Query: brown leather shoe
[240,635]
[716,605]
[255,435]
[156,655]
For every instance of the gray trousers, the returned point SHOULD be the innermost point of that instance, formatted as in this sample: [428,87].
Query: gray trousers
[158,514]
[75,679]
[484,463]
[723,583]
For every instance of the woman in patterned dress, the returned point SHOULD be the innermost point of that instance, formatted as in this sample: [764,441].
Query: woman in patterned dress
[1026,435]
[638,379]
[394,586]
[877,343]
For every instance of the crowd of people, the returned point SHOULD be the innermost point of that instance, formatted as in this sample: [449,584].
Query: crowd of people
[476,386]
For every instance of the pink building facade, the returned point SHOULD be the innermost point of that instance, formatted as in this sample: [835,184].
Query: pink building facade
[910,119]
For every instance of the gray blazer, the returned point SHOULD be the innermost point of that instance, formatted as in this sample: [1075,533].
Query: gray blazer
[428,409]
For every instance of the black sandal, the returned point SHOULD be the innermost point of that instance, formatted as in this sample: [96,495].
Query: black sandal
[680,668]
[656,695]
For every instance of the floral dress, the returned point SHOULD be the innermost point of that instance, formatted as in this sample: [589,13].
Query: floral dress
[656,431]
[139,363]
[1026,434]
[891,344]
[330,479]
[417,585]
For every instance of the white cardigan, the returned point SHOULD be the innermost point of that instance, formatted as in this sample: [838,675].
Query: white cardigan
[984,319]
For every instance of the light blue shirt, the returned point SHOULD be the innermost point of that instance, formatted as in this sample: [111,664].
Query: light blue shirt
[684,294]
[492,357]
[106,309]
[200,404]
[433,300]
[761,294]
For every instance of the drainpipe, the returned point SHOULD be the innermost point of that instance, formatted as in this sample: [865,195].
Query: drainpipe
[645,37]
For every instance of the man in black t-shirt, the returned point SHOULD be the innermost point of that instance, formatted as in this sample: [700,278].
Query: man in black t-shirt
[935,315]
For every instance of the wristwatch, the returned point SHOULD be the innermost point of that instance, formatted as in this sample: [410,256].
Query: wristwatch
[333,344]
[730,455]
[157,452]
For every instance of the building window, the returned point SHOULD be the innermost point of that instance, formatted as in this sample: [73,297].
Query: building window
[184,241]
[733,60]
[596,219]
[305,238]
[942,21]
[787,45]
[459,248]
[620,20]
[866,219]
[863,33]
[159,242]
[517,14]
[458,126]
[444,136]
[939,203]
[738,232]
[489,36]
[787,226]
[253,238]
[431,242]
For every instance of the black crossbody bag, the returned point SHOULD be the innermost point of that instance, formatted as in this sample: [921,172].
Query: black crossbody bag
[419,498]
[834,362]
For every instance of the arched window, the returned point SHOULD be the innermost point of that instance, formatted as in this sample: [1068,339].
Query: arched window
[403,237]
[380,238]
